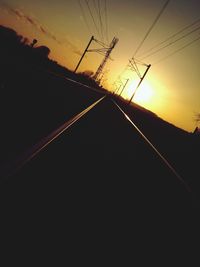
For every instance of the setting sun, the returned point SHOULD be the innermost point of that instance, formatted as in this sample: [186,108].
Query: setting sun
[143,94]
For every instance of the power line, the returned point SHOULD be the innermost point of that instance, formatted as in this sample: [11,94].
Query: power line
[171,43]
[105,50]
[141,79]
[107,56]
[172,36]
[90,11]
[84,17]
[97,15]
[95,7]
[100,20]
[178,50]
[152,26]
[101,43]
[106,19]
[133,66]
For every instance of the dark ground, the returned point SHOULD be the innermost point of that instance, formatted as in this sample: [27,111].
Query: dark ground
[179,147]
[34,103]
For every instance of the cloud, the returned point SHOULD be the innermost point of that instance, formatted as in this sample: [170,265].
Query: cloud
[17,13]
[70,45]
[32,21]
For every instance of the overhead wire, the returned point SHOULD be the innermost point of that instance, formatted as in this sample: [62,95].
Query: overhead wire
[152,26]
[171,43]
[97,15]
[101,43]
[106,19]
[171,37]
[132,61]
[91,14]
[178,50]
[134,67]
[95,7]
[100,20]
[84,17]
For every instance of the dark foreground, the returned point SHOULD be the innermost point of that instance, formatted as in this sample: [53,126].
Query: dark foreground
[101,159]
[87,192]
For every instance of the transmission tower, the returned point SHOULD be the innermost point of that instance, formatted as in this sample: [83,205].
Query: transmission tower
[103,74]
[108,52]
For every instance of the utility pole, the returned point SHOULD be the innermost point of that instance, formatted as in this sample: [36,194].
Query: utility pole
[103,74]
[109,50]
[142,78]
[124,87]
[118,89]
[92,38]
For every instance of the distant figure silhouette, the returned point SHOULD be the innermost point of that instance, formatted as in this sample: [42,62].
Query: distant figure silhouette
[33,43]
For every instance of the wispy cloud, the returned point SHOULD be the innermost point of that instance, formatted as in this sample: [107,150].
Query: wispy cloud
[70,45]
[35,23]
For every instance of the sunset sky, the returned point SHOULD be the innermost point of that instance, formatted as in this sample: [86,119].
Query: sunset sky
[171,88]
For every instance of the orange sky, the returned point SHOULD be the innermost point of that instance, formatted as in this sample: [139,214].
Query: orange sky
[171,88]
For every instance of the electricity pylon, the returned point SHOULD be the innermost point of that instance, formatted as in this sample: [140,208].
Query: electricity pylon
[108,52]
[102,76]
[105,50]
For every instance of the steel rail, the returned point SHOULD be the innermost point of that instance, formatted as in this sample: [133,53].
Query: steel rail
[178,176]
[74,81]
[35,149]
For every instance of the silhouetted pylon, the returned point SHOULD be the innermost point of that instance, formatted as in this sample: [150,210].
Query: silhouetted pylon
[108,52]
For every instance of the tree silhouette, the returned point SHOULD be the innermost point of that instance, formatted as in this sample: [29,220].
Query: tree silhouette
[42,51]
[9,39]
[88,73]
[18,51]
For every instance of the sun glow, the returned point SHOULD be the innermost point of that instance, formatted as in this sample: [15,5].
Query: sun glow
[143,94]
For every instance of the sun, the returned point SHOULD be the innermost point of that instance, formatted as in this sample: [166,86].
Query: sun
[143,94]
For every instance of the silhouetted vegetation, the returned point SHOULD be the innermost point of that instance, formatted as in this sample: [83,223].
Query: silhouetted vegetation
[18,51]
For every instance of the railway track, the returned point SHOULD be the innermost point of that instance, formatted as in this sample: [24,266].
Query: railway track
[99,158]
